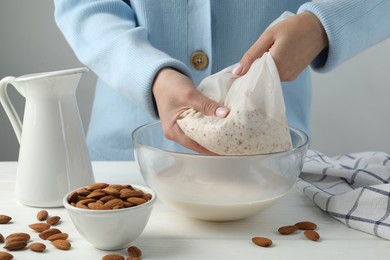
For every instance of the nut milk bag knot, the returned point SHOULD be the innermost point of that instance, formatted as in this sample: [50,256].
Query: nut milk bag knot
[257,121]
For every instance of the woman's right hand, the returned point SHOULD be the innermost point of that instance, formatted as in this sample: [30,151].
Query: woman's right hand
[175,93]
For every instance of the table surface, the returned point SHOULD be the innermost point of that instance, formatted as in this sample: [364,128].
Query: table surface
[169,235]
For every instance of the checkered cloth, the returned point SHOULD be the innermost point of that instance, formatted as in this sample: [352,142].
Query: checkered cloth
[353,188]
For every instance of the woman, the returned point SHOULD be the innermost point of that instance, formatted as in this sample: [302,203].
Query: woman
[150,55]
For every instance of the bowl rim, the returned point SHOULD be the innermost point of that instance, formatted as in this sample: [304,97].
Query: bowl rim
[300,132]
[114,211]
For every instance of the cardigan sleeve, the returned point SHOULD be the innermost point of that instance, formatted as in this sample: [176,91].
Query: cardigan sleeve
[105,37]
[351,26]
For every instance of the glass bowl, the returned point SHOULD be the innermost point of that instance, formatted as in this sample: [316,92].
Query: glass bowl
[215,188]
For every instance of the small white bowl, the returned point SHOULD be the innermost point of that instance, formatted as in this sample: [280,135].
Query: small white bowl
[111,229]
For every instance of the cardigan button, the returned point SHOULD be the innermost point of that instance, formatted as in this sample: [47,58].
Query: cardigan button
[199,60]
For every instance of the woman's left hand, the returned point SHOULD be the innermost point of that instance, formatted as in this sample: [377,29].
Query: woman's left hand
[293,44]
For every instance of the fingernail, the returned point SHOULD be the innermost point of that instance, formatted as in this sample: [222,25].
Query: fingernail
[221,112]
[237,70]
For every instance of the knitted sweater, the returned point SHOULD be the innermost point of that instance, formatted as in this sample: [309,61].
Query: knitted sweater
[126,44]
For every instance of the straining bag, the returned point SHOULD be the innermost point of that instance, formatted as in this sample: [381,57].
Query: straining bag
[256,123]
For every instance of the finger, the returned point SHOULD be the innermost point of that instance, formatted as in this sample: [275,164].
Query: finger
[208,107]
[257,50]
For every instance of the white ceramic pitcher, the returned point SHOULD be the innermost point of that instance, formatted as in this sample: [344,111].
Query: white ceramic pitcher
[53,156]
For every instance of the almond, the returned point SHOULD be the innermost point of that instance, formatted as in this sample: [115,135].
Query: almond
[15,245]
[98,206]
[134,251]
[4,219]
[83,203]
[37,247]
[127,193]
[133,258]
[111,191]
[107,198]
[83,192]
[62,236]
[286,230]
[39,227]
[120,187]
[113,257]
[1,238]
[15,239]
[136,201]
[62,244]
[53,220]
[127,204]
[262,241]
[114,203]
[312,235]
[306,225]
[96,194]
[147,196]
[42,215]
[6,256]
[95,186]
[73,197]
[18,236]
[49,232]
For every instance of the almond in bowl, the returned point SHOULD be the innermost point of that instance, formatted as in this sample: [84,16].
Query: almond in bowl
[110,216]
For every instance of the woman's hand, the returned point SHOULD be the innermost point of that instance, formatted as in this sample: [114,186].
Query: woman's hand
[175,93]
[293,44]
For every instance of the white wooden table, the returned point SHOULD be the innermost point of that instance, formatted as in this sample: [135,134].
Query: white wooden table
[169,235]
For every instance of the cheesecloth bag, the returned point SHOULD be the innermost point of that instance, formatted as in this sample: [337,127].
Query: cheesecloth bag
[256,123]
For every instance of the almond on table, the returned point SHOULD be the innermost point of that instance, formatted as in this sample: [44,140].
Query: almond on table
[4,219]
[262,241]
[42,215]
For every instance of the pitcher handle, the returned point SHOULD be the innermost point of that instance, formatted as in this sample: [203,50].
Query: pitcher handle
[8,107]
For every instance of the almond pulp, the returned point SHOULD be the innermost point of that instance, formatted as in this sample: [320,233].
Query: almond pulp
[53,220]
[6,256]
[312,235]
[286,230]
[1,238]
[113,257]
[4,219]
[42,215]
[49,232]
[306,225]
[62,244]
[39,227]
[134,251]
[62,236]
[15,245]
[37,247]
[262,241]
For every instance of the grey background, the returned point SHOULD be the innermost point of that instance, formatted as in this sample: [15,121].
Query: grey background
[350,105]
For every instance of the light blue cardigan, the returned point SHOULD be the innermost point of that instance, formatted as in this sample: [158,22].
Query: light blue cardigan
[125,45]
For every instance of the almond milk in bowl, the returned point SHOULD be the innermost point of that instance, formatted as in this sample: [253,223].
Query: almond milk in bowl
[215,188]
